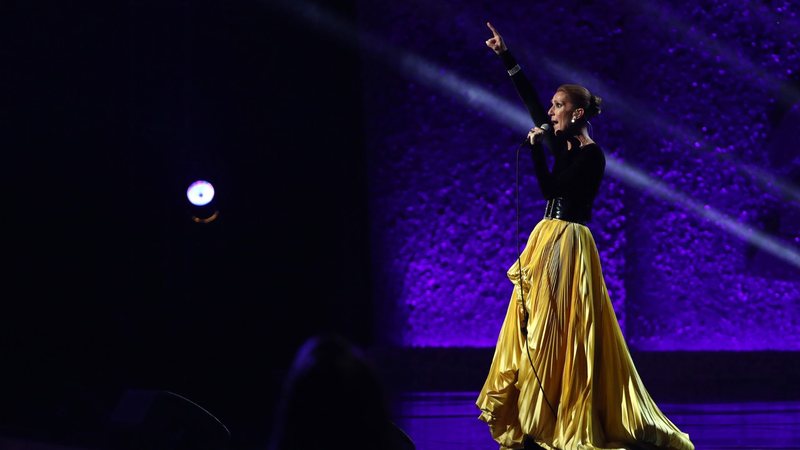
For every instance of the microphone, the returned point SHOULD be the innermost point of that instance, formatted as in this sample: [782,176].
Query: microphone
[544,127]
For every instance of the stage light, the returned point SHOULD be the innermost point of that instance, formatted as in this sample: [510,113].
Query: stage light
[200,194]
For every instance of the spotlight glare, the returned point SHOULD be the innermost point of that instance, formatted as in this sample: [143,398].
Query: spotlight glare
[200,193]
[509,114]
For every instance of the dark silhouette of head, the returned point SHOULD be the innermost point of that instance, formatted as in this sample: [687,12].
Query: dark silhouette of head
[333,398]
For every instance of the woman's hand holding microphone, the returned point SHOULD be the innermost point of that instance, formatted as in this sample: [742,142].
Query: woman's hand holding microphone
[535,136]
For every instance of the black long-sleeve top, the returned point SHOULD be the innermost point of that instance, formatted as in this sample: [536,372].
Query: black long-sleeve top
[577,172]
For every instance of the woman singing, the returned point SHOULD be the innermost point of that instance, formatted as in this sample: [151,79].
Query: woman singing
[562,376]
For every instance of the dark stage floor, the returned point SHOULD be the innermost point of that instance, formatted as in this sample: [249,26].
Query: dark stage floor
[448,420]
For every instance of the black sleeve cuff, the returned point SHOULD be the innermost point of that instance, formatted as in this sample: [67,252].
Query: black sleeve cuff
[508,60]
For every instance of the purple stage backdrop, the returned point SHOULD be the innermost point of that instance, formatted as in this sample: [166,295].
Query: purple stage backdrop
[698,219]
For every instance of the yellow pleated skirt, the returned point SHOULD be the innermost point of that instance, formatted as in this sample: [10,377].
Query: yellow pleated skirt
[585,392]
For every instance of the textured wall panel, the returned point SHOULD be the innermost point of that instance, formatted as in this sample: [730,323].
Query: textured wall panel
[694,98]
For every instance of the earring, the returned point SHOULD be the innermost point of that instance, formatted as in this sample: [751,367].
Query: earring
[573,119]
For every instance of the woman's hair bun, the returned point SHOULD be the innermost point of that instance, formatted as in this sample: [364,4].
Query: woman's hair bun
[595,107]
[582,98]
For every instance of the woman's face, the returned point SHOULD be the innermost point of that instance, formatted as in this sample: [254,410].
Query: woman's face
[560,111]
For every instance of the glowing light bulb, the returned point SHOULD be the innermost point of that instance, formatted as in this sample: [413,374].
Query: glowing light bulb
[200,193]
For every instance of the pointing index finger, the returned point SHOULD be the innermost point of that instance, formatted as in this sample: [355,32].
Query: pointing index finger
[494,32]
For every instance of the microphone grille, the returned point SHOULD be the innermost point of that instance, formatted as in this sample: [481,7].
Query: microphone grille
[545,126]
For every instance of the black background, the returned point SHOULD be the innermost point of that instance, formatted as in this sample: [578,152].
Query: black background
[111,110]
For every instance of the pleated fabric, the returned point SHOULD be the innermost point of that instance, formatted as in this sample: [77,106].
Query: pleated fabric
[585,392]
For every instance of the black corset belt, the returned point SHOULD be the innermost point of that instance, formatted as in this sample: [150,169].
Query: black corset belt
[564,209]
